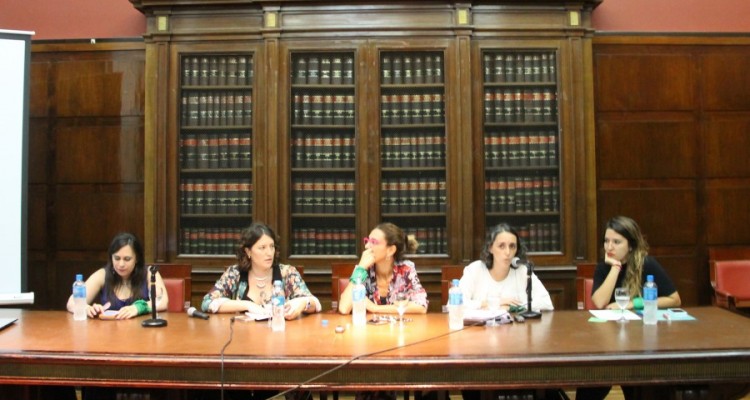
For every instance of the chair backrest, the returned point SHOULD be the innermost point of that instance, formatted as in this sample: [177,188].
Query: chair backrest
[584,285]
[733,277]
[448,273]
[178,281]
[718,253]
[340,273]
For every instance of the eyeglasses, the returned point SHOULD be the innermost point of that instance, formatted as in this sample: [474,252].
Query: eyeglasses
[372,241]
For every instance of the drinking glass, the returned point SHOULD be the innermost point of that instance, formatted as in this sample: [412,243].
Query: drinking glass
[402,300]
[622,297]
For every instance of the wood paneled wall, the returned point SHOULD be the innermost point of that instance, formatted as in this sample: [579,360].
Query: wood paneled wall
[673,133]
[85,161]
[672,141]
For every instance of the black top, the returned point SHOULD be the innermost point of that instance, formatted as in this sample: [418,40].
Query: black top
[664,285]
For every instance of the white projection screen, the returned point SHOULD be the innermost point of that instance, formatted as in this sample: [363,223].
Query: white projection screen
[15,47]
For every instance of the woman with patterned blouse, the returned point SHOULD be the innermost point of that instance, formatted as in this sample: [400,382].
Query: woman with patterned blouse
[247,285]
[384,273]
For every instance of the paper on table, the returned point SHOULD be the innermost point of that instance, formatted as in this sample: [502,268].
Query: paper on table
[482,315]
[614,315]
[669,315]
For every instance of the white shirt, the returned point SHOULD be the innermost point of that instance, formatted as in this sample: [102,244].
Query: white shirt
[477,283]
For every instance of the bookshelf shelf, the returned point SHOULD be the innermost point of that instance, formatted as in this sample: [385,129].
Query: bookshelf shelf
[521,136]
[409,117]
[216,87]
[215,151]
[323,154]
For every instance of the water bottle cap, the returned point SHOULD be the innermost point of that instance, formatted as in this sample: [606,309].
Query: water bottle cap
[277,283]
[79,277]
[455,282]
[649,278]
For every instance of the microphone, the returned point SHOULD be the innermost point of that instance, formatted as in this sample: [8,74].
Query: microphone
[517,262]
[154,321]
[196,314]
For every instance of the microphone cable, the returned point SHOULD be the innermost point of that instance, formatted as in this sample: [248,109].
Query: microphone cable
[231,334]
[374,353]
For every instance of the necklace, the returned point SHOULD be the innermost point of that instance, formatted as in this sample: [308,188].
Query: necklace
[260,283]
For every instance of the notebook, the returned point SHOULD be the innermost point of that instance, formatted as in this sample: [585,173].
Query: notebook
[6,321]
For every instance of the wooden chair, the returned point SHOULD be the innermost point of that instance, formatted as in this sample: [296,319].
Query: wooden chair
[448,273]
[178,281]
[584,285]
[732,284]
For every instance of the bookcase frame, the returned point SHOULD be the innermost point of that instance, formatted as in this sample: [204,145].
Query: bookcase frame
[274,31]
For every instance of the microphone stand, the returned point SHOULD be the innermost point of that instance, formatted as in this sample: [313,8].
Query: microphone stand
[529,313]
[153,322]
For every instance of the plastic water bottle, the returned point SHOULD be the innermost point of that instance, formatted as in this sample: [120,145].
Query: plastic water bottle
[455,307]
[79,299]
[278,323]
[359,310]
[650,294]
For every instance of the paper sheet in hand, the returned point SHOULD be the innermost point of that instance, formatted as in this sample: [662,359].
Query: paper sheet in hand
[614,315]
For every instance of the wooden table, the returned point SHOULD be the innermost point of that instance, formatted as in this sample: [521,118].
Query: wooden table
[562,349]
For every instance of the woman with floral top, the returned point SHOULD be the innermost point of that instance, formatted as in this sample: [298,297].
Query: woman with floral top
[384,272]
[247,285]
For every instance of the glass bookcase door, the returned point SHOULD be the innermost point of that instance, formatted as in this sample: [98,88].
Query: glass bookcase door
[323,156]
[215,151]
[413,146]
[521,144]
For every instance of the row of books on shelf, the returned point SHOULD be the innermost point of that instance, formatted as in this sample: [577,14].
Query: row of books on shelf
[520,67]
[411,69]
[540,237]
[222,70]
[323,241]
[431,240]
[334,69]
[521,149]
[343,241]
[228,108]
[520,105]
[413,195]
[322,108]
[522,194]
[215,196]
[210,241]
[215,151]
[405,149]
[327,150]
[412,108]
[323,196]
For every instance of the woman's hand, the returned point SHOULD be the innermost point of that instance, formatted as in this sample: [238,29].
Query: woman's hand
[95,309]
[367,260]
[510,301]
[295,307]
[127,312]
[613,262]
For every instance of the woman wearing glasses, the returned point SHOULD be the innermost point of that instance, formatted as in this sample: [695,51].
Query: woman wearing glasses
[384,272]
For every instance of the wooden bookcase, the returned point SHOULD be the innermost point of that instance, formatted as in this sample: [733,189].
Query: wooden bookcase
[444,117]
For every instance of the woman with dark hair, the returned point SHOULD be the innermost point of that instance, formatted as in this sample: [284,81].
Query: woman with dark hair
[123,284]
[494,276]
[384,272]
[626,264]
[247,285]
